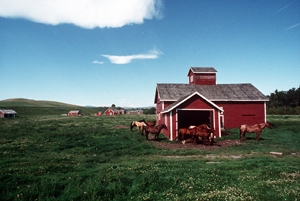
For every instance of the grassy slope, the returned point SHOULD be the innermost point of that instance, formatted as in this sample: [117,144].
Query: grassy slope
[26,107]
[21,102]
[99,158]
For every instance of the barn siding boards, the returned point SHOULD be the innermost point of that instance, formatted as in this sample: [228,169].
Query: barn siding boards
[202,76]
[225,105]
[237,113]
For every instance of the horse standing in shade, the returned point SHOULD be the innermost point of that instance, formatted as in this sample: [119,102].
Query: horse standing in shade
[206,134]
[154,130]
[139,124]
[190,131]
[256,128]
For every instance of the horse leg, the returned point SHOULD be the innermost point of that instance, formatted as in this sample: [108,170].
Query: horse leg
[257,136]
[157,136]
[241,136]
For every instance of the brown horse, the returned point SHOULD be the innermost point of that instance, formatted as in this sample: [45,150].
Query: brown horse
[150,123]
[138,124]
[182,132]
[206,134]
[256,128]
[154,130]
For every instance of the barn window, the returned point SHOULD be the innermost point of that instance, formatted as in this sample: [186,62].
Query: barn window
[192,78]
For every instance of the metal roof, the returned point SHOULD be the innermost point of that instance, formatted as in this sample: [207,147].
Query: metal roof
[8,111]
[203,70]
[219,92]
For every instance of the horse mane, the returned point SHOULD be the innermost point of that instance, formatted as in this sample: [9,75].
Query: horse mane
[132,124]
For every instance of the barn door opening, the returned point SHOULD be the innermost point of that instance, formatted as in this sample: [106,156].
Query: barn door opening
[187,118]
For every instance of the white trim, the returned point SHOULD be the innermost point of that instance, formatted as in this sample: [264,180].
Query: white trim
[176,116]
[224,100]
[191,95]
[265,111]
[171,127]
[220,128]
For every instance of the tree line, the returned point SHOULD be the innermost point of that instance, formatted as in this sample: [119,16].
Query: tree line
[284,102]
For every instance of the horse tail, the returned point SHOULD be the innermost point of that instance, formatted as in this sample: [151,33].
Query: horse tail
[131,125]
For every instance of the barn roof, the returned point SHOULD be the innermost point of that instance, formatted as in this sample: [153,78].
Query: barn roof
[202,70]
[8,111]
[74,111]
[219,92]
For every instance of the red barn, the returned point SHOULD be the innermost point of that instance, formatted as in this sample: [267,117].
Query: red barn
[7,113]
[73,113]
[201,101]
[109,112]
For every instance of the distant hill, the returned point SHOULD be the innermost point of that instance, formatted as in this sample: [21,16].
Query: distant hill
[25,107]
[22,102]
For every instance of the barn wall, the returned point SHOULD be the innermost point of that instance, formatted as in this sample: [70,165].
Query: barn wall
[195,102]
[238,113]
[202,78]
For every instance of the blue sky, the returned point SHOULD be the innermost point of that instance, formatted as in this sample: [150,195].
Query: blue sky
[115,52]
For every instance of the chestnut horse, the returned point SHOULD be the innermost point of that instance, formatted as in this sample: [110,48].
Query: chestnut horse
[256,128]
[150,123]
[206,134]
[190,131]
[154,130]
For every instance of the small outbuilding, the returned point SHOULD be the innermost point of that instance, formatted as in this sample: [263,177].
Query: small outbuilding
[203,101]
[111,112]
[98,114]
[73,113]
[7,113]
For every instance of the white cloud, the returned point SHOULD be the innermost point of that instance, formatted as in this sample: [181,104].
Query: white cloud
[98,62]
[83,13]
[153,54]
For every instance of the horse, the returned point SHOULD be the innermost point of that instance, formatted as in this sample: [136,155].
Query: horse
[190,131]
[182,132]
[140,124]
[154,130]
[150,123]
[256,128]
[206,134]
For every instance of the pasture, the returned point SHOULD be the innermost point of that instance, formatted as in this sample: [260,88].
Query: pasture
[100,158]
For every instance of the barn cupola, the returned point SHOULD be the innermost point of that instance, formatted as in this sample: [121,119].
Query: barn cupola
[202,76]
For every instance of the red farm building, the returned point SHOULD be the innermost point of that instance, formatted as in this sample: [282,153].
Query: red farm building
[110,112]
[73,113]
[7,113]
[220,106]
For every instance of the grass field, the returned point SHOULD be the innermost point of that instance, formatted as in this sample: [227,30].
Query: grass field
[99,158]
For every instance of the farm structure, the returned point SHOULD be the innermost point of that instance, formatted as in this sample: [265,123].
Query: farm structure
[7,113]
[73,113]
[110,112]
[203,101]
[98,114]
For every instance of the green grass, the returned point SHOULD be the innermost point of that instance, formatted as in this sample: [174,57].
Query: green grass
[99,158]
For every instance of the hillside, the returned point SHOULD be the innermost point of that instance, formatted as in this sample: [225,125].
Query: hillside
[22,102]
[25,107]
